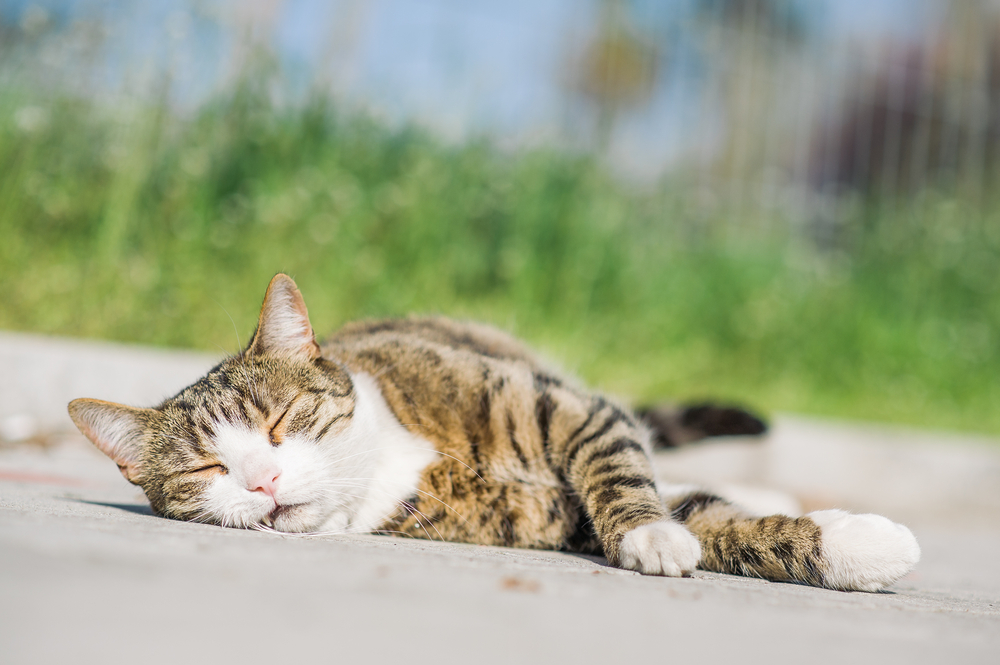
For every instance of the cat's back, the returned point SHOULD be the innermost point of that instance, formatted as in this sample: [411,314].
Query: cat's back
[464,386]
[428,338]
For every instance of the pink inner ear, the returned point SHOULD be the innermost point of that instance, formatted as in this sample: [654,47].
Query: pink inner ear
[122,454]
[284,321]
[129,473]
[115,430]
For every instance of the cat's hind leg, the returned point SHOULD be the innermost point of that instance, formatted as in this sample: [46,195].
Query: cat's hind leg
[864,552]
[827,548]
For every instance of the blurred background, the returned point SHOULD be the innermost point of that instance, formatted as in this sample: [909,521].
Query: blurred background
[788,203]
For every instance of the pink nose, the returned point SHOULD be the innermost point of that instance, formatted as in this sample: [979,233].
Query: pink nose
[266,483]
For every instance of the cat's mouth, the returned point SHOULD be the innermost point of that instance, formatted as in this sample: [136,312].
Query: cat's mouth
[279,511]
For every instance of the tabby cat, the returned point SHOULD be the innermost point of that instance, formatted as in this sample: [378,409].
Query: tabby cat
[438,429]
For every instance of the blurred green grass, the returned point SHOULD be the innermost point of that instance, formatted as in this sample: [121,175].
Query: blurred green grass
[139,225]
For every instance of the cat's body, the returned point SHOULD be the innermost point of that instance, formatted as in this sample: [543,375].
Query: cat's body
[439,429]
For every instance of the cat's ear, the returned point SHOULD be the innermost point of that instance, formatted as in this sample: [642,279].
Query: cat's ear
[117,430]
[283,327]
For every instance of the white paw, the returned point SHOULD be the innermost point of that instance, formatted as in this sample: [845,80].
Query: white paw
[661,548]
[864,552]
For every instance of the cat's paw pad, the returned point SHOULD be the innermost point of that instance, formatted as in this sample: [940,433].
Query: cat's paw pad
[661,548]
[864,552]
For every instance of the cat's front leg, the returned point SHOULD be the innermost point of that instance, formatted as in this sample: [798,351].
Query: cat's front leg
[661,548]
[606,463]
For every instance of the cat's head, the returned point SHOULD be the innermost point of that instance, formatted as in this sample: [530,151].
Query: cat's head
[251,443]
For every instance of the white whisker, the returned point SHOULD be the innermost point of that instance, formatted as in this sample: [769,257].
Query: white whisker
[410,507]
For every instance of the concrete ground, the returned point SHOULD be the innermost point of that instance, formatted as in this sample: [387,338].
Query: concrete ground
[89,575]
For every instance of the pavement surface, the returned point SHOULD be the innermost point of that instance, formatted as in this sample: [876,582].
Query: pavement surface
[89,575]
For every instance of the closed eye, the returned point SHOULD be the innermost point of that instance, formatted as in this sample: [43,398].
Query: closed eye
[210,467]
[273,434]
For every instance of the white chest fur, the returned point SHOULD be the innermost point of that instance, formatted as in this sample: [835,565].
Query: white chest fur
[398,458]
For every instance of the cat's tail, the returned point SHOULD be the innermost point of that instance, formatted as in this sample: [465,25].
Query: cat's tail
[674,426]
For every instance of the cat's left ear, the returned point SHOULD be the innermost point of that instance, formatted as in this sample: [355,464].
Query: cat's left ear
[283,327]
[117,430]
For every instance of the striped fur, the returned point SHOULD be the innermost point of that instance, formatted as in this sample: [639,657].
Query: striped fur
[501,450]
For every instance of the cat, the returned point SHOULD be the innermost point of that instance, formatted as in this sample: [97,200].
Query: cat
[435,428]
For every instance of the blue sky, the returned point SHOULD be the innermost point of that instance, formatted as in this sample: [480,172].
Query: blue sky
[459,67]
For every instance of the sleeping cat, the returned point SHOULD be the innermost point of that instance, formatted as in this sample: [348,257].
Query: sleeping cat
[446,430]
